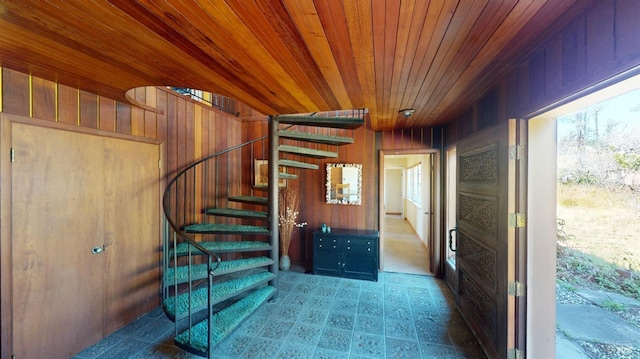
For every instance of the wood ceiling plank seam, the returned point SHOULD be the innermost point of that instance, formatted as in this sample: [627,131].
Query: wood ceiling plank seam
[239,59]
[361,47]
[269,45]
[360,28]
[333,19]
[440,16]
[52,29]
[79,61]
[485,26]
[111,20]
[302,59]
[378,14]
[416,32]
[453,43]
[499,41]
[308,24]
[122,34]
[405,52]
[391,24]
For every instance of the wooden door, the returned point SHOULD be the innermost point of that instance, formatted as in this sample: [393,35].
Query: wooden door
[132,230]
[486,242]
[57,218]
[393,196]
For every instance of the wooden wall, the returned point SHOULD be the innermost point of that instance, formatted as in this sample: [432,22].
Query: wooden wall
[599,43]
[189,130]
[311,183]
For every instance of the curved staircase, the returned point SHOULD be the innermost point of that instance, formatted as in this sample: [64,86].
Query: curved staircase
[220,252]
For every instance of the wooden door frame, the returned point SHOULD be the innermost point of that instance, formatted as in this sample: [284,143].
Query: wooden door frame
[6,292]
[434,242]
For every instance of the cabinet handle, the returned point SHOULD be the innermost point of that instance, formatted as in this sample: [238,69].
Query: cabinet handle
[348,247]
[334,247]
[369,242]
[320,245]
[369,249]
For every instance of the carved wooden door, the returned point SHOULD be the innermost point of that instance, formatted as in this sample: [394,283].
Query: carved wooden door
[488,198]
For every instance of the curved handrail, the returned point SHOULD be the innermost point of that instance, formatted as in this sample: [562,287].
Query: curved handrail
[167,192]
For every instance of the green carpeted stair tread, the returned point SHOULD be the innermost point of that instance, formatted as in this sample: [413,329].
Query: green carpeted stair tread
[308,152]
[317,121]
[220,292]
[283,175]
[199,271]
[224,322]
[223,228]
[237,213]
[316,138]
[263,201]
[182,249]
[298,164]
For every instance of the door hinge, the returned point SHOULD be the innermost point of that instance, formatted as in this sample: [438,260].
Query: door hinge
[516,152]
[13,155]
[515,354]
[517,289]
[517,220]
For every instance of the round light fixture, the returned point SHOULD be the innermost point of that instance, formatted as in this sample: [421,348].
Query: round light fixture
[407,112]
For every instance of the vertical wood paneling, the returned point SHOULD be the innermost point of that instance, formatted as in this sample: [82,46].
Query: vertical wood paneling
[88,110]
[107,114]
[627,28]
[600,37]
[552,68]
[574,53]
[138,114]
[123,118]
[44,99]
[15,92]
[599,42]
[68,106]
[150,124]
[172,135]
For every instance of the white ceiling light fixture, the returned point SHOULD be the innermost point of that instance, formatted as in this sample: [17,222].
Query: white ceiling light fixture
[407,112]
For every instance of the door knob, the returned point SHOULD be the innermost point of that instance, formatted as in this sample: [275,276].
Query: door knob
[97,250]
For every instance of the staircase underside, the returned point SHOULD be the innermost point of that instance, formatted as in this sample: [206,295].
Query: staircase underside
[319,121]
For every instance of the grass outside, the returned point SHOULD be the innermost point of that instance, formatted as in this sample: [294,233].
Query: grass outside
[599,238]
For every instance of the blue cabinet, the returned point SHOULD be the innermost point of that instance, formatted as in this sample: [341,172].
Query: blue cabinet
[346,253]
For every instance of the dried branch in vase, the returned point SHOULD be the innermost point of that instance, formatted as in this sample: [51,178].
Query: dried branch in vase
[289,209]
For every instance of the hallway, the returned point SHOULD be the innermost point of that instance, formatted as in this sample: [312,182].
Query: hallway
[404,252]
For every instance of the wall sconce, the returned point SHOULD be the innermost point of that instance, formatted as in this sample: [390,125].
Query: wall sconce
[407,112]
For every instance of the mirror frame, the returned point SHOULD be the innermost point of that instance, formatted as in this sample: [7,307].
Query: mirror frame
[330,200]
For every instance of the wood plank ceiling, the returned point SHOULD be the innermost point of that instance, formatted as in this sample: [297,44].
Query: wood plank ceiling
[288,56]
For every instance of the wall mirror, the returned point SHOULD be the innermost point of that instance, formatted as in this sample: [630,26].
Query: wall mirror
[344,183]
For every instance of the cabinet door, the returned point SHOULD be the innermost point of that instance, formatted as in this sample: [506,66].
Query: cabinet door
[132,230]
[57,218]
[359,258]
[327,263]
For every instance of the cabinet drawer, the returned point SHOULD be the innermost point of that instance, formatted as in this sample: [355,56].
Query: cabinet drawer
[327,244]
[359,246]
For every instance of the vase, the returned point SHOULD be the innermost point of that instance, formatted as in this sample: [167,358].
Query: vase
[285,263]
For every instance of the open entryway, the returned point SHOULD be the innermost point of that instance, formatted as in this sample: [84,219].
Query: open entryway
[406,211]
[585,212]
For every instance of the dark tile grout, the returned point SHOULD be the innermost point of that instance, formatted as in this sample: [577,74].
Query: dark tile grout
[398,301]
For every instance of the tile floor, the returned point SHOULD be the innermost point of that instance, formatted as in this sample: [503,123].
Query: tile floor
[400,316]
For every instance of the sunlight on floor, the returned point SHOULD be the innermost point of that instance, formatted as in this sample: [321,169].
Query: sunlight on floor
[404,252]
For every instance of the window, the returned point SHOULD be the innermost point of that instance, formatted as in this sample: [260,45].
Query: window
[414,183]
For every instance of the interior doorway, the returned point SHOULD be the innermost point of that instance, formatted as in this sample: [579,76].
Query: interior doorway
[407,217]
